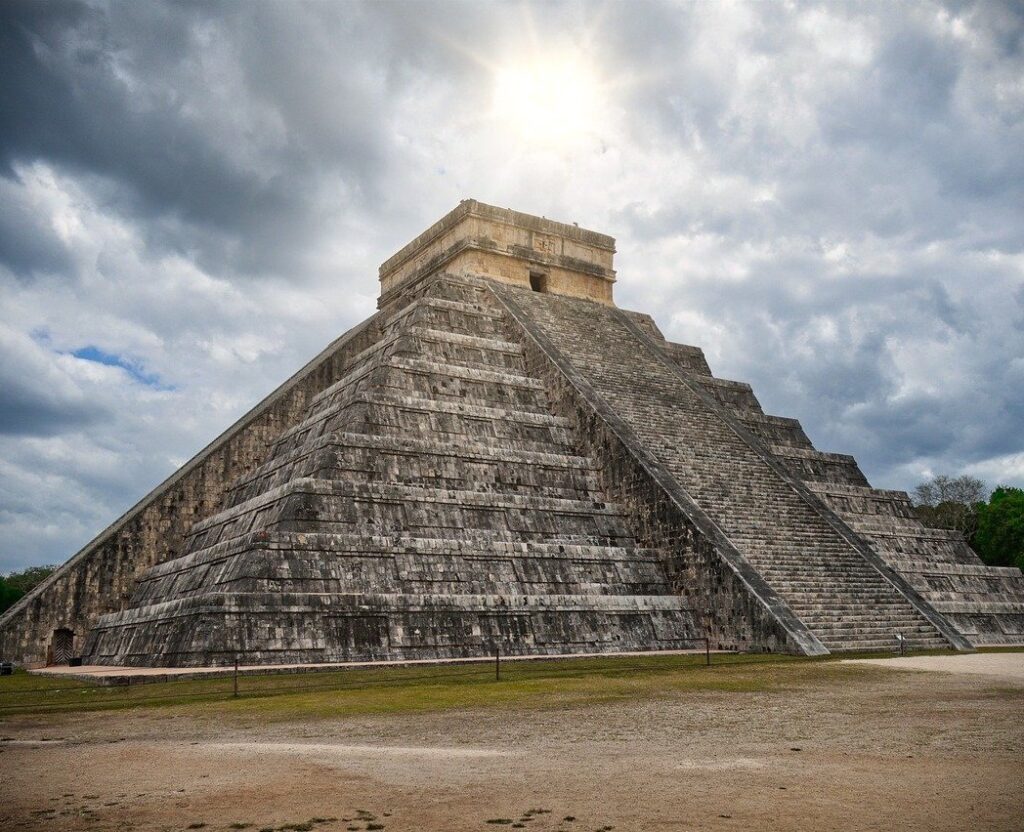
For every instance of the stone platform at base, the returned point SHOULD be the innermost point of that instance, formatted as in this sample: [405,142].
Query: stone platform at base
[111,675]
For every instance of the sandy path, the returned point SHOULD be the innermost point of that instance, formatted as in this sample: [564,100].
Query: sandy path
[884,751]
[1001,665]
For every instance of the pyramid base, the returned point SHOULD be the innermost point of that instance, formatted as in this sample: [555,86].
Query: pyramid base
[268,629]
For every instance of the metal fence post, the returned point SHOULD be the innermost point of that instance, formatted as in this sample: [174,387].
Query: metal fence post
[497,664]
[236,676]
[708,618]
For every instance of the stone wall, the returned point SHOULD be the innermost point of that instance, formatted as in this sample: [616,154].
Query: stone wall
[481,240]
[102,576]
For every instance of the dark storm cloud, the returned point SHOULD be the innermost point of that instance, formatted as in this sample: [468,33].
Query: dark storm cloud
[134,94]
[845,387]
[27,243]
[65,103]
[25,410]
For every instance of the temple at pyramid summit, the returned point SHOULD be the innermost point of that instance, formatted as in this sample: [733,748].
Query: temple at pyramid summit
[502,459]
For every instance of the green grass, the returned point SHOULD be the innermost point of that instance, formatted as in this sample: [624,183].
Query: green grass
[547,683]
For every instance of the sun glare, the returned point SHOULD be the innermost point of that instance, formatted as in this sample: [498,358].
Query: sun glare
[547,101]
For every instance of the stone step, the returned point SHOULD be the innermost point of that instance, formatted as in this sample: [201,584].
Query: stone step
[439,381]
[882,645]
[483,353]
[446,382]
[488,344]
[425,602]
[834,604]
[880,635]
[877,524]
[853,612]
[304,627]
[354,562]
[481,307]
[498,453]
[854,502]
[425,333]
[903,531]
[982,602]
[803,554]
[341,545]
[811,568]
[325,505]
[460,288]
[456,316]
[395,492]
[547,431]
[966,569]
[821,466]
[992,639]
[945,550]
[736,395]
[1009,606]
[362,464]
[776,430]
[357,366]
[850,490]
[305,568]
[434,368]
[455,422]
[388,396]
[814,580]
[822,618]
[688,357]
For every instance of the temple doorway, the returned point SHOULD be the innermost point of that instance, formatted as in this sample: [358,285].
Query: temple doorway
[62,647]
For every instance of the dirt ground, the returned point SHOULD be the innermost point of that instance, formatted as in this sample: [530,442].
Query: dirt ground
[886,749]
[1007,666]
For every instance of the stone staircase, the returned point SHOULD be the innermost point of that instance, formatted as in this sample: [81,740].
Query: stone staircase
[985,603]
[827,582]
[426,504]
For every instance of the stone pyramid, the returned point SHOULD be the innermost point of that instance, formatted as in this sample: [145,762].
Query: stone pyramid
[428,503]
[501,459]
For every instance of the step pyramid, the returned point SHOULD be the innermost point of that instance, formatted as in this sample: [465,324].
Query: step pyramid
[426,504]
[502,459]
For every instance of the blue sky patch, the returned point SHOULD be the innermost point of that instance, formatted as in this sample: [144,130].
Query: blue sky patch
[133,368]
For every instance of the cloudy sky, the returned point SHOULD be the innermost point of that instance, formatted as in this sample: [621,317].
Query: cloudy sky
[194,199]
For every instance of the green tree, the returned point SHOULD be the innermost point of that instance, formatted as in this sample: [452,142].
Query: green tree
[8,594]
[999,540]
[27,579]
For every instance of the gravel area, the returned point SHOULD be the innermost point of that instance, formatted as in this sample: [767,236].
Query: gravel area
[883,750]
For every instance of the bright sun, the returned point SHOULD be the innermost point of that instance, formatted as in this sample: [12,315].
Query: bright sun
[547,101]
